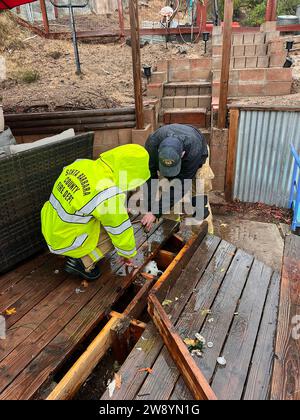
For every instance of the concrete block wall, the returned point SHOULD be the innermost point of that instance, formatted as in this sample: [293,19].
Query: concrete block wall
[179,70]
[256,82]
[265,51]
[254,56]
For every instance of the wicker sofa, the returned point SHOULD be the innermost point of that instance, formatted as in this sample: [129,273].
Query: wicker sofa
[26,181]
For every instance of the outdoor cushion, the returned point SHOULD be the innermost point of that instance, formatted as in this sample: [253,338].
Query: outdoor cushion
[6,139]
[28,146]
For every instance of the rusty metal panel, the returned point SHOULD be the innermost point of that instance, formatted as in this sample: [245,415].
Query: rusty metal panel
[264,162]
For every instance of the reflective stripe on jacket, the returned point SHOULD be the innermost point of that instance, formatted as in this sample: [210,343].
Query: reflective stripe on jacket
[90,195]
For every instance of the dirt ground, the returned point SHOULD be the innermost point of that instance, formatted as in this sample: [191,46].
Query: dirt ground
[41,73]
[106,81]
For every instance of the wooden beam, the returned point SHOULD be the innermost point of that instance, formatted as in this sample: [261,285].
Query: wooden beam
[139,302]
[231,153]
[136,63]
[163,284]
[201,15]
[45,16]
[164,259]
[121,18]
[83,367]
[226,57]
[271,11]
[193,377]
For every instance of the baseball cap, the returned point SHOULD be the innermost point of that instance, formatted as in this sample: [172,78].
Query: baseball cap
[169,156]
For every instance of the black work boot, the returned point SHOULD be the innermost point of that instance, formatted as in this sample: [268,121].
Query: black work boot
[76,267]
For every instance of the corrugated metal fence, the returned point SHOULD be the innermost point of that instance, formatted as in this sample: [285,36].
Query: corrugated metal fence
[264,163]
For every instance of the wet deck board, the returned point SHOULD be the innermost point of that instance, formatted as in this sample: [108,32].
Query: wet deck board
[52,319]
[286,378]
[242,294]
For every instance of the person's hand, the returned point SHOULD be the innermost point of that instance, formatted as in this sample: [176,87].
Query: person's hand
[128,262]
[148,220]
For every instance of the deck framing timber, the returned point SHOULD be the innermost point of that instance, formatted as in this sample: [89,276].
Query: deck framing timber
[242,295]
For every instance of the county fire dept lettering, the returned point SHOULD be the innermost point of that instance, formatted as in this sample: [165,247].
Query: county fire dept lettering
[68,188]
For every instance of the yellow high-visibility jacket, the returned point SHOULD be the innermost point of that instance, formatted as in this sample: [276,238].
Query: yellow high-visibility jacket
[91,194]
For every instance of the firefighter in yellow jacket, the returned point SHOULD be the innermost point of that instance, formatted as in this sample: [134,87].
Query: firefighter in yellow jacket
[86,215]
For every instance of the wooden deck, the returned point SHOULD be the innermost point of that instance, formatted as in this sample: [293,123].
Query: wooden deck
[286,377]
[52,317]
[242,295]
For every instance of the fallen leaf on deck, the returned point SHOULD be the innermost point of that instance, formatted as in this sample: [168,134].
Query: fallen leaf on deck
[9,312]
[197,353]
[205,312]
[85,284]
[200,338]
[224,225]
[149,370]
[167,302]
[118,379]
[189,341]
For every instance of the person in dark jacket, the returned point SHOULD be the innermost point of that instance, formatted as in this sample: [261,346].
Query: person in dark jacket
[176,152]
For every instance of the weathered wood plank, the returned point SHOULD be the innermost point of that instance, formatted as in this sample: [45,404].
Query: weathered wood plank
[229,383]
[231,153]
[38,327]
[83,367]
[33,289]
[27,285]
[55,353]
[149,346]
[286,378]
[259,379]
[42,318]
[11,278]
[189,323]
[223,310]
[186,365]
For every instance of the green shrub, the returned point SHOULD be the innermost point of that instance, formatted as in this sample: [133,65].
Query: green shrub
[252,12]
[28,76]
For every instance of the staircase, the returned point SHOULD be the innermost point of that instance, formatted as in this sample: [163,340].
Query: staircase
[184,88]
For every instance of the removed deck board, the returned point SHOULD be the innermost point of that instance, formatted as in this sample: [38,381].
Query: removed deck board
[286,378]
[242,295]
[49,327]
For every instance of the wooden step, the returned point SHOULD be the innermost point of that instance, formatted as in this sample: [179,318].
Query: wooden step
[199,88]
[200,101]
[198,117]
